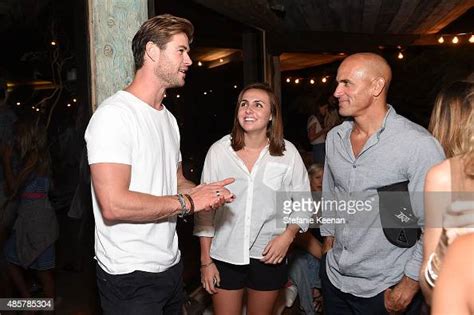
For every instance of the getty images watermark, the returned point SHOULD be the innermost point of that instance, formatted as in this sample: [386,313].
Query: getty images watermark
[315,210]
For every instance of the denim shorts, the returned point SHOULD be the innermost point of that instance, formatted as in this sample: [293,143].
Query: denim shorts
[45,261]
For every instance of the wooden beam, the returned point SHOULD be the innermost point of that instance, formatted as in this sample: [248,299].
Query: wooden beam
[403,16]
[112,25]
[334,42]
[443,15]
[369,15]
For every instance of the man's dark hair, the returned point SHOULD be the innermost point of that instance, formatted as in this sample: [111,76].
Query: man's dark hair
[159,30]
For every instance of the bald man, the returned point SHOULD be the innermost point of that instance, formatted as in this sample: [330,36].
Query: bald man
[362,272]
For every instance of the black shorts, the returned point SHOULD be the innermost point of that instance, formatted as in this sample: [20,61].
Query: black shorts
[256,275]
[140,292]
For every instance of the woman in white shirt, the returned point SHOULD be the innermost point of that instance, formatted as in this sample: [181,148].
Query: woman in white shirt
[244,243]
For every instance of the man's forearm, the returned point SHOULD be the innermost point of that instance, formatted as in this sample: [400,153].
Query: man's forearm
[139,207]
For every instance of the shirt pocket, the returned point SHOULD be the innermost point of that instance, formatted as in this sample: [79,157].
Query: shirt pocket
[274,174]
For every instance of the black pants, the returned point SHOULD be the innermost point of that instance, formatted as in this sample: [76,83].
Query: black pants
[340,303]
[140,292]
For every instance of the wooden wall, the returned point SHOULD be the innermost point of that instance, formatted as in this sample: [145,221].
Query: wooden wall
[112,25]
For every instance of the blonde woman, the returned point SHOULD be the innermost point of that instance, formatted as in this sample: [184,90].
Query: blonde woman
[449,202]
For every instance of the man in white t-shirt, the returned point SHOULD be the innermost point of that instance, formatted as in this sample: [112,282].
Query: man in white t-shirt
[138,186]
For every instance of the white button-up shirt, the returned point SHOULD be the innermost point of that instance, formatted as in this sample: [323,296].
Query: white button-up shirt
[243,228]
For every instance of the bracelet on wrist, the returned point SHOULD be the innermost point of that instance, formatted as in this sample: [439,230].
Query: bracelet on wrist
[431,275]
[184,210]
[191,202]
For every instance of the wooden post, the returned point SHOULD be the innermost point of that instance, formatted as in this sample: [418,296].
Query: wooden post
[249,47]
[275,79]
[112,25]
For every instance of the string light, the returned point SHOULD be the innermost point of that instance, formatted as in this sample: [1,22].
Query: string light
[288,80]
[221,60]
[324,80]
[178,96]
[235,86]
[74,100]
[69,105]
[297,81]
[400,55]
[199,64]
[456,38]
[53,43]
[311,81]
[18,103]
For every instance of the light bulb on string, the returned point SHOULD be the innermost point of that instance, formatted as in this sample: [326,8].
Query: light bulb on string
[288,80]
[324,80]
[455,40]
[297,81]
[400,55]
[441,40]
[311,81]
[471,39]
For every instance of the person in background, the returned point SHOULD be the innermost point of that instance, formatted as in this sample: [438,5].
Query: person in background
[138,187]
[305,260]
[30,244]
[449,187]
[244,245]
[317,133]
[332,118]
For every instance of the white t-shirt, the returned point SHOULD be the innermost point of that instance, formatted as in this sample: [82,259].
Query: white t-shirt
[126,130]
[243,228]
[312,120]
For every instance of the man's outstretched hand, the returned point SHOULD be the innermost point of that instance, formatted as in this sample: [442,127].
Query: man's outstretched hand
[212,195]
